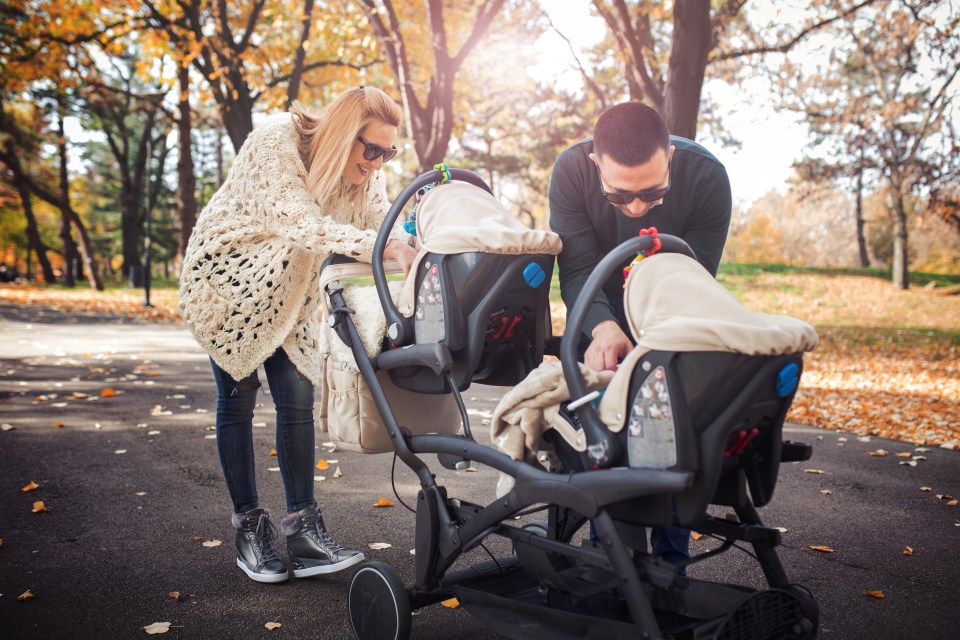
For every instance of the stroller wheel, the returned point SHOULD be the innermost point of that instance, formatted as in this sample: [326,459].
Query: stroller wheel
[378,604]
[808,604]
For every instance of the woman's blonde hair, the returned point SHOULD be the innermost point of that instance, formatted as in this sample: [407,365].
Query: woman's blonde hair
[326,138]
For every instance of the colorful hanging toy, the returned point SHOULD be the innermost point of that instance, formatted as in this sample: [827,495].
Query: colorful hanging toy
[652,232]
[410,225]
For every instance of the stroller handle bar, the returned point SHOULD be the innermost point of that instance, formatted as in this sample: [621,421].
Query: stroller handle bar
[399,327]
[601,445]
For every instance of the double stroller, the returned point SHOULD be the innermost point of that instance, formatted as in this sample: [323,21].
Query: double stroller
[692,418]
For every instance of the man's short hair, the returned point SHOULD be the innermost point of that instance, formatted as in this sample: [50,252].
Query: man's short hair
[630,133]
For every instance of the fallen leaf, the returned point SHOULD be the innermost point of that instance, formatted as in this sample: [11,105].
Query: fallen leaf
[781,529]
[175,595]
[952,503]
[817,471]
[904,454]
[141,493]
[322,465]
[907,551]
[452,603]
[26,596]
[212,543]
[120,451]
[58,425]
[38,507]
[157,627]
[319,478]
[925,489]
[338,473]
[943,496]
[330,446]
[153,433]
[33,486]
[272,625]
[273,452]
[413,552]
[197,538]
[376,546]
[879,453]
[875,594]
[821,548]
[470,470]
[7,427]
[383,502]
[909,463]
[695,535]
[273,468]
[825,492]
[108,393]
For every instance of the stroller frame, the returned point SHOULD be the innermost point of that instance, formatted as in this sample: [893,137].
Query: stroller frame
[598,589]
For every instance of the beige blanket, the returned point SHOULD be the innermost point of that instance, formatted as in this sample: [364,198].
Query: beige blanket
[531,408]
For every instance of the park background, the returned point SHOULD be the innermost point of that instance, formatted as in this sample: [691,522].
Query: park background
[837,120]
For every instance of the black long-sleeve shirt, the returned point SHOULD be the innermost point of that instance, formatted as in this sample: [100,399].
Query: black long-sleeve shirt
[697,208]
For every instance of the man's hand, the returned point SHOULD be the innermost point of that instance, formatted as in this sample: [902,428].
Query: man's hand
[402,253]
[609,345]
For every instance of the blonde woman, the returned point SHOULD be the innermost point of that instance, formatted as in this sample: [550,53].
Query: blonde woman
[301,187]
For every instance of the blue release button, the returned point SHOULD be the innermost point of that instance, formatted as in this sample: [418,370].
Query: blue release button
[533,275]
[787,379]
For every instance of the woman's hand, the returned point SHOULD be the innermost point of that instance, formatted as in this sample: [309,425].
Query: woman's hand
[402,253]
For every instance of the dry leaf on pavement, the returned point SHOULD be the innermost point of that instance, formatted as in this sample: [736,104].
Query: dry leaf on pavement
[157,627]
[212,543]
[6,426]
[377,546]
[38,507]
[452,603]
[58,425]
[875,594]
[322,465]
[272,625]
[821,548]
[108,393]
[907,551]
[33,486]
[383,502]
[26,596]
[879,453]
[273,452]
[338,473]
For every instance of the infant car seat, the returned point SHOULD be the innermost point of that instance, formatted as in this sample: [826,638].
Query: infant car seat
[480,286]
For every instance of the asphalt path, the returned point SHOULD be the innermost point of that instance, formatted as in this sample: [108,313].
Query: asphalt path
[133,489]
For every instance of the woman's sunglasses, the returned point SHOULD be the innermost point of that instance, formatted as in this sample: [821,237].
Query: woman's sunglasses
[373,151]
[650,195]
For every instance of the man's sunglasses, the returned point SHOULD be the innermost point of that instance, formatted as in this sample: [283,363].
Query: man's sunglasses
[373,151]
[649,195]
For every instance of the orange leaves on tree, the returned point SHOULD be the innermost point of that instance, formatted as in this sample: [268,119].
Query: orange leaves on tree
[383,502]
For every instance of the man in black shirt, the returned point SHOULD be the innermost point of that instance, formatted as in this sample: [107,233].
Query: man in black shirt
[630,176]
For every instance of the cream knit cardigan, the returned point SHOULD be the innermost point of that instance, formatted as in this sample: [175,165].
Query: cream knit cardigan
[249,282]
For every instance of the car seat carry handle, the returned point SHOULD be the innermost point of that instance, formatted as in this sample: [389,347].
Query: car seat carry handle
[602,446]
[399,327]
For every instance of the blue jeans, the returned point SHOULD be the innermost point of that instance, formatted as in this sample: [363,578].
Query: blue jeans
[671,543]
[293,398]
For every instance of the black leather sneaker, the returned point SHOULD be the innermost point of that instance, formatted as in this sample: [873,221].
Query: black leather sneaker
[311,549]
[257,552]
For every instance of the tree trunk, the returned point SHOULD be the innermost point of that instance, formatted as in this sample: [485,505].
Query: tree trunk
[901,274]
[69,248]
[296,76]
[861,238]
[33,235]
[186,180]
[688,62]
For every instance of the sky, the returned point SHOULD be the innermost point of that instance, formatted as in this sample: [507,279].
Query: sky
[771,141]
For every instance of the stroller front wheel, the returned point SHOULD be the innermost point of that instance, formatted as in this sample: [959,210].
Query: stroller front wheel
[378,604]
